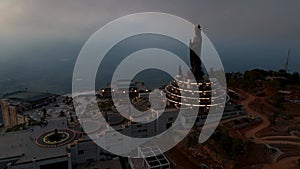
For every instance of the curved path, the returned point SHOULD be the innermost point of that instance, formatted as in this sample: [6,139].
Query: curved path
[267,140]
[265,122]
[286,163]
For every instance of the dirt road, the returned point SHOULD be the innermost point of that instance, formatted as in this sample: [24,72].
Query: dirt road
[286,163]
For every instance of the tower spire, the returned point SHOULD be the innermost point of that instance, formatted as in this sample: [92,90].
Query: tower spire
[195,53]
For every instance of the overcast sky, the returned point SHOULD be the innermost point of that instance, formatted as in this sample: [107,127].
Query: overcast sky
[247,34]
[232,24]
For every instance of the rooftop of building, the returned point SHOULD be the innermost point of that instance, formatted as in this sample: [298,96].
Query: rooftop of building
[21,145]
[53,111]
[110,164]
[27,96]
